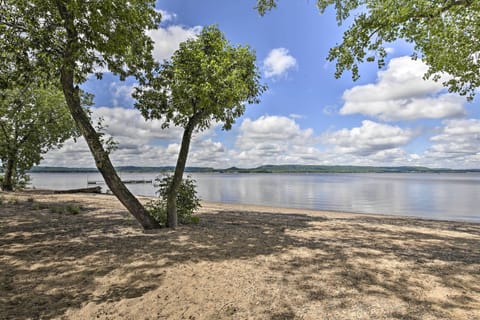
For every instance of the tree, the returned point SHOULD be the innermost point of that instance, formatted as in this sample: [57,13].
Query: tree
[33,120]
[72,39]
[206,80]
[445,34]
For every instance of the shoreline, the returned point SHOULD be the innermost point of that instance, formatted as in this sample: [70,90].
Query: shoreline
[252,207]
[239,262]
[249,206]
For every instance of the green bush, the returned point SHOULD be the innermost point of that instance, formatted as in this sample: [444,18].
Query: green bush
[187,201]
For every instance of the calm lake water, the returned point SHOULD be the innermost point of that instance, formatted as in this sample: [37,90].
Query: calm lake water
[435,196]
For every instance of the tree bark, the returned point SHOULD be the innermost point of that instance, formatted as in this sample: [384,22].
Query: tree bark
[7,184]
[172,218]
[102,160]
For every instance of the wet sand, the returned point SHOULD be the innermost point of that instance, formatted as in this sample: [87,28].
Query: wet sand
[239,262]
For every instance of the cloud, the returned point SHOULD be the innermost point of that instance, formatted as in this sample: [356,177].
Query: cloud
[278,62]
[330,110]
[167,40]
[167,16]
[458,140]
[271,128]
[296,116]
[401,93]
[140,142]
[122,94]
[136,140]
[371,139]
[274,139]
[265,140]
[128,125]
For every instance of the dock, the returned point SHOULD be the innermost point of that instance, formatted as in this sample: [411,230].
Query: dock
[124,181]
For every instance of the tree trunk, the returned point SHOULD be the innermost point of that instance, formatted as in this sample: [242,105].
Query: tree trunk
[102,160]
[172,218]
[7,184]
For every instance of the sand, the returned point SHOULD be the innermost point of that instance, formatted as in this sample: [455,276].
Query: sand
[239,262]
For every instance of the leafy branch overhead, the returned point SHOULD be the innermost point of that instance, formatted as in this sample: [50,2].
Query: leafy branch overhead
[445,35]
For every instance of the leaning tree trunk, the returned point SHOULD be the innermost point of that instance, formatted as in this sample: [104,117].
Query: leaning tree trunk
[102,160]
[172,218]
[7,184]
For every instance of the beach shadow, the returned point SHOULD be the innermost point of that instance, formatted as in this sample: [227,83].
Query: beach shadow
[54,262]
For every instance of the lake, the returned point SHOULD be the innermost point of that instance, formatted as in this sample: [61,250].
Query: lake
[427,195]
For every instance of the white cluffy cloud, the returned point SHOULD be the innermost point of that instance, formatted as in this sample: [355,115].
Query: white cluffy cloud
[167,40]
[458,141]
[370,139]
[401,93]
[167,16]
[274,139]
[278,62]
[140,143]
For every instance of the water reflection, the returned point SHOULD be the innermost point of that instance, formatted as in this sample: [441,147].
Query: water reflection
[438,196]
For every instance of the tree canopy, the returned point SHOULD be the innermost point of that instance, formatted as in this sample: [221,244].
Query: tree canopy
[206,80]
[71,39]
[33,120]
[445,35]
[99,35]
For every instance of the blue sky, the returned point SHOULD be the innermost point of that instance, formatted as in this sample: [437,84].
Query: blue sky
[388,117]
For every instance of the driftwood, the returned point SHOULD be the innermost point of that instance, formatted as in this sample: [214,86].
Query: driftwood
[97,189]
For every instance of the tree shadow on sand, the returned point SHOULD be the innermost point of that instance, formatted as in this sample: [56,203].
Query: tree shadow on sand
[52,262]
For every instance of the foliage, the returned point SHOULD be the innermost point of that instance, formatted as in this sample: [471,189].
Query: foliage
[20,180]
[187,201]
[206,80]
[33,120]
[69,40]
[206,77]
[103,35]
[445,34]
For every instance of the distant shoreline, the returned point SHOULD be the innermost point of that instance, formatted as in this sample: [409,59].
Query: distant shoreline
[264,169]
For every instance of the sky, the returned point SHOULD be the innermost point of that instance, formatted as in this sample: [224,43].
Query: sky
[389,117]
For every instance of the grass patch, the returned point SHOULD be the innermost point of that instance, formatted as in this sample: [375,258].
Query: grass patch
[66,209]
[39,206]
[61,209]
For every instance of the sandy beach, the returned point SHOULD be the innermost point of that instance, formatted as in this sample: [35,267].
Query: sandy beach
[239,262]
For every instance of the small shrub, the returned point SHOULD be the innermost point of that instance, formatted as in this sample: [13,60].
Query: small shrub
[194,219]
[2,200]
[158,210]
[187,201]
[31,200]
